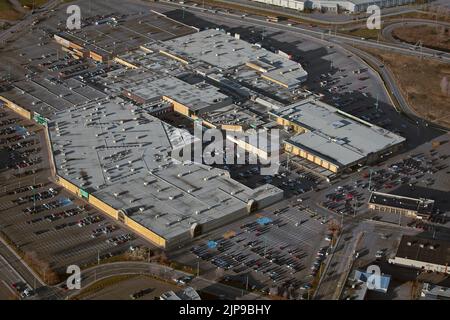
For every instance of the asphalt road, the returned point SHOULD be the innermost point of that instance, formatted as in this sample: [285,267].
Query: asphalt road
[391,86]
[27,20]
[334,19]
[387,31]
[89,276]
[19,266]
[8,274]
[315,32]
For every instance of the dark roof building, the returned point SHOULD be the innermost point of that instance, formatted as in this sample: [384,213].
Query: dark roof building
[418,208]
[420,253]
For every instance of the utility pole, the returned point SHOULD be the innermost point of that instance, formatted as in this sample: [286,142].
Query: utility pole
[198,268]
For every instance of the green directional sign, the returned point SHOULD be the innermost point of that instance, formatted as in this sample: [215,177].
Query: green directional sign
[84,194]
[40,119]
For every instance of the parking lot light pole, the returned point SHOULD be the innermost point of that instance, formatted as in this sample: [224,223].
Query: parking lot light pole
[198,268]
[246,285]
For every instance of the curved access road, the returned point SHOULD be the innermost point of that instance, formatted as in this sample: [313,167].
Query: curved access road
[316,32]
[388,30]
[392,88]
[97,273]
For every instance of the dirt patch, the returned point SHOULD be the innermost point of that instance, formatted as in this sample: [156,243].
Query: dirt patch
[424,83]
[432,37]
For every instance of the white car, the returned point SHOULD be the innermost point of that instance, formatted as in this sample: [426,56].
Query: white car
[379,254]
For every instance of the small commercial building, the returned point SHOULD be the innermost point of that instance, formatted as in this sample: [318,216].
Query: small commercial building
[410,207]
[424,254]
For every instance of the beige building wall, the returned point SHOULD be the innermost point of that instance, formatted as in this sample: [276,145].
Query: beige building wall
[420,265]
[17,109]
[296,151]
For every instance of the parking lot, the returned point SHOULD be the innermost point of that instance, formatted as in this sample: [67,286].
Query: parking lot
[282,247]
[421,173]
[51,227]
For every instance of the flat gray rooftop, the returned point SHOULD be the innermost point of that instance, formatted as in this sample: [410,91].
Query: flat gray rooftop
[46,97]
[341,138]
[121,154]
[224,51]
[195,97]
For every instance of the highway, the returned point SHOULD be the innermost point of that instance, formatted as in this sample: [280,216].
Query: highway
[324,19]
[8,274]
[13,269]
[315,32]
[19,266]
